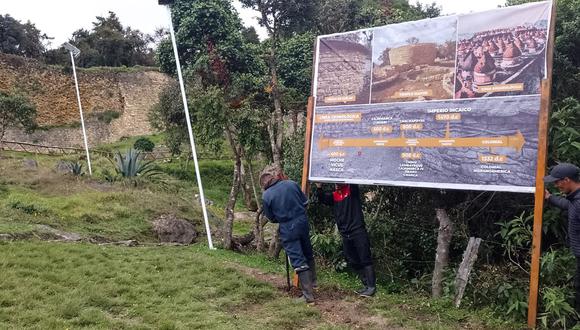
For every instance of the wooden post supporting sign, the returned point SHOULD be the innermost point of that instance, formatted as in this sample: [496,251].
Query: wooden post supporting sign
[540,173]
[307,141]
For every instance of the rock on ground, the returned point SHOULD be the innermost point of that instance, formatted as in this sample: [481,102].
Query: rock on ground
[170,229]
[30,164]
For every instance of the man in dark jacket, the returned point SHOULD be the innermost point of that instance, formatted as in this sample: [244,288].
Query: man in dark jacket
[566,177]
[347,207]
[285,203]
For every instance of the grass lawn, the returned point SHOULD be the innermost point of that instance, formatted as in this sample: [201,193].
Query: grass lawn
[50,285]
[85,206]
[66,286]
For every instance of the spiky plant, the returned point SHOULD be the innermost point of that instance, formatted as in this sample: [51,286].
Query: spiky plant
[132,166]
[76,168]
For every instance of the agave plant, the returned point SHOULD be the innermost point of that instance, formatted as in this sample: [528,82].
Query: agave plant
[76,168]
[131,165]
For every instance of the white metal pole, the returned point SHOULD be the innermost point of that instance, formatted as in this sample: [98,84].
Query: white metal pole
[190,131]
[72,58]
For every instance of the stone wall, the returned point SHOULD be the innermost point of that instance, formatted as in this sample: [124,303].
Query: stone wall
[417,54]
[344,73]
[129,92]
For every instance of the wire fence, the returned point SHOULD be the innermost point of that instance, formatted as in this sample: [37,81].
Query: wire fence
[57,150]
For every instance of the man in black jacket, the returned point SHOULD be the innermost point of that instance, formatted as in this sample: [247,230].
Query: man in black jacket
[347,207]
[566,177]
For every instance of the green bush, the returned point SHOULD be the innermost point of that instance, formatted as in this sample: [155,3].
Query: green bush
[144,144]
[328,248]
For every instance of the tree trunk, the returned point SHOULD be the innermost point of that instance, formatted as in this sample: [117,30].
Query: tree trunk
[272,137]
[233,196]
[253,182]
[295,121]
[276,129]
[259,231]
[230,206]
[249,201]
[278,115]
[275,245]
[442,257]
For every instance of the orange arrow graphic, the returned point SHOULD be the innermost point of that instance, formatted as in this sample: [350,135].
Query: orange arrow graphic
[515,141]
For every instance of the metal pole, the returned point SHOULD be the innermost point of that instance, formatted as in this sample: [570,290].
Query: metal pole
[72,58]
[190,131]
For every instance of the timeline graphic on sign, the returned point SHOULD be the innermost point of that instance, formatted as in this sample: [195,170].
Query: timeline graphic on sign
[451,102]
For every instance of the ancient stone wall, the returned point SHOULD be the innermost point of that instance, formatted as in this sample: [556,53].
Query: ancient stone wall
[344,75]
[414,54]
[131,93]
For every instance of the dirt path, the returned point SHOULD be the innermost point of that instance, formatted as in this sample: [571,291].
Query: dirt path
[337,307]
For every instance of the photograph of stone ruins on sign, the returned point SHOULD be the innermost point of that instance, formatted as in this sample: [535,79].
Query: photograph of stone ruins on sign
[502,52]
[414,61]
[344,69]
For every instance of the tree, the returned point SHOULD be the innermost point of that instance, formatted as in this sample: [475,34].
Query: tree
[16,111]
[223,68]
[295,70]
[280,18]
[20,39]
[108,43]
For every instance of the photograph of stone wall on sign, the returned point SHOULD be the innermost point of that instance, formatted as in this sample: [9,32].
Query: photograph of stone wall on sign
[414,61]
[502,52]
[344,69]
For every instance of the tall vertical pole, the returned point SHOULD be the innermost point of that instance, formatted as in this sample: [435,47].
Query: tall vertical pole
[309,119]
[540,173]
[72,58]
[307,141]
[190,131]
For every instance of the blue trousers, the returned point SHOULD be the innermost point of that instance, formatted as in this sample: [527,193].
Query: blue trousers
[295,238]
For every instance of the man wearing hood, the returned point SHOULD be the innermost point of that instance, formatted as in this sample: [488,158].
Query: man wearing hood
[566,177]
[285,203]
[348,214]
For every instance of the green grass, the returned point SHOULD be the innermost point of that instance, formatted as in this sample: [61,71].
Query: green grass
[410,311]
[71,286]
[53,285]
[83,205]
[216,175]
[243,227]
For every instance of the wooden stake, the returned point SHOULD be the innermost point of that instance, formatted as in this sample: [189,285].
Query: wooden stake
[540,173]
[469,257]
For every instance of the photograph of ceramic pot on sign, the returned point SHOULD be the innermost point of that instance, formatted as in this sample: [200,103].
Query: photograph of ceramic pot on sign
[502,52]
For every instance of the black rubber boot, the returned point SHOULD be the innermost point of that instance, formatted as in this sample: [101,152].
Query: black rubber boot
[361,275]
[306,286]
[312,266]
[371,281]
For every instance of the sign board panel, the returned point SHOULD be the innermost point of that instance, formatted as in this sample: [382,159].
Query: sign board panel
[451,102]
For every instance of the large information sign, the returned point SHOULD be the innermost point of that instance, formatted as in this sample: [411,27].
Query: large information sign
[451,102]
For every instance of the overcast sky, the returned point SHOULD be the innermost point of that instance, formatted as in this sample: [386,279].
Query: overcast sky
[59,19]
